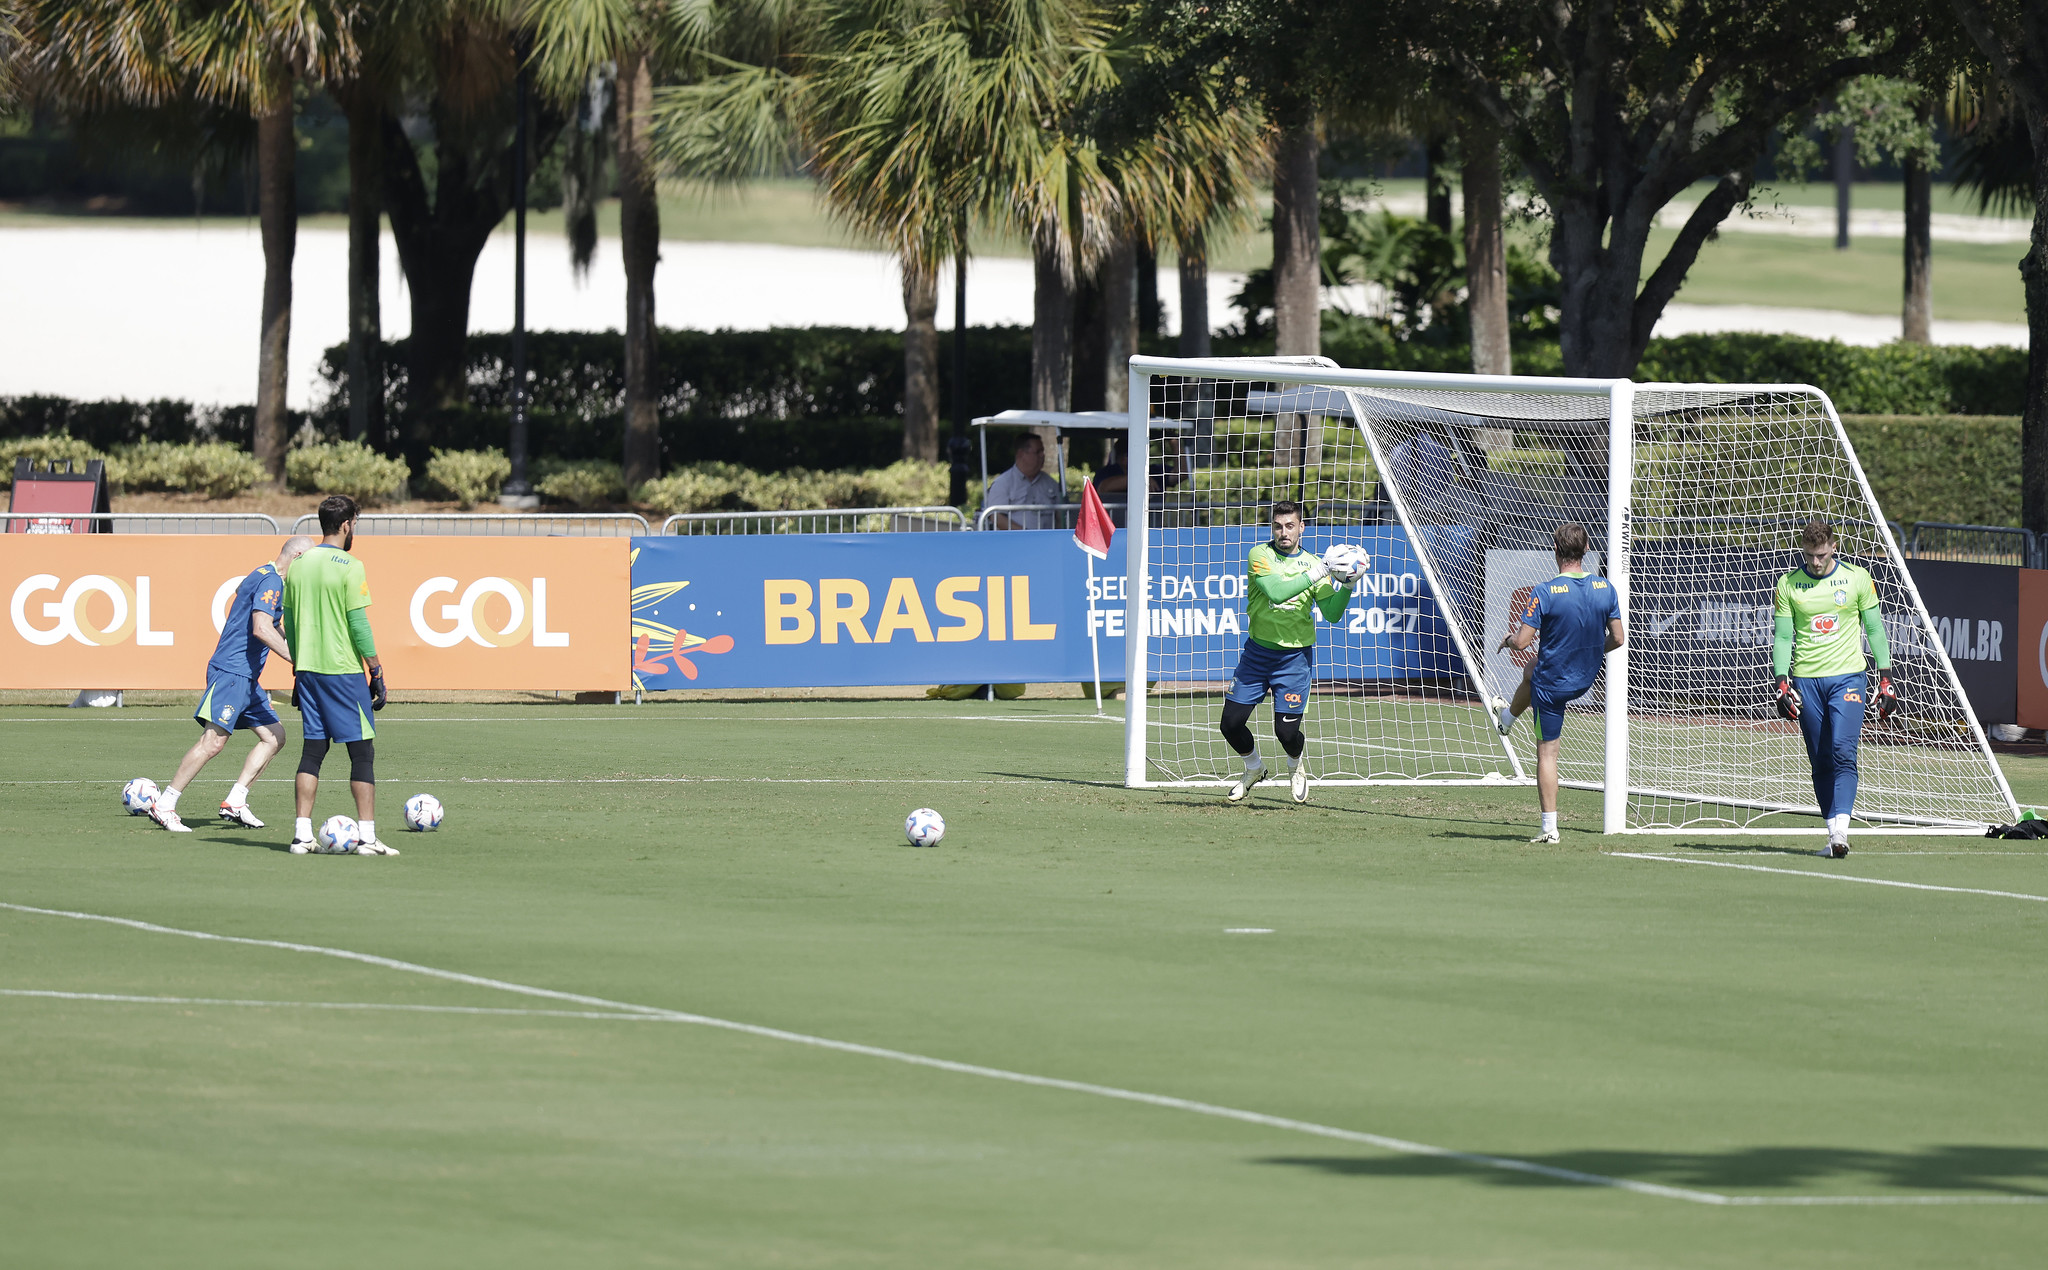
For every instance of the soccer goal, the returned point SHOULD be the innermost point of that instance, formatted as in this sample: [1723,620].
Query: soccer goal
[1693,495]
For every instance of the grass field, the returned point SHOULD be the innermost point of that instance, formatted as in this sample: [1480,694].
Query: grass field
[1427,977]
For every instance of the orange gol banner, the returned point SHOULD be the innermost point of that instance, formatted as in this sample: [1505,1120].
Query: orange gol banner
[145,610]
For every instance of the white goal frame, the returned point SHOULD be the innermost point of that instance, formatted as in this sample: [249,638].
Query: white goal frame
[1621,395]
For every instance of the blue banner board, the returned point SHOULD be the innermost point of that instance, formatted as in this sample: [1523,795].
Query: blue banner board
[848,610]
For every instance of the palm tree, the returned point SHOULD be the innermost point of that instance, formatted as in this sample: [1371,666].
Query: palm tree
[644,40]
[250,56]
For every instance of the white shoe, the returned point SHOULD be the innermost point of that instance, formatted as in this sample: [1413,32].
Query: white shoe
[1245,783]
[374,847]
[168,819]
[304,846]
[1837,848]
[1298,783]
[1504,719]
[239,815]
[1550,837]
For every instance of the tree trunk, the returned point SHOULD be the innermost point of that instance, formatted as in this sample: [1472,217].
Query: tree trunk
[1194,296]
[277,202]
[1088,369]
[1052,321]
[1119,279]
[2034,276]
[1486,261]
[1151,319]
[1436,191]
[365,303]
[640,246]
[1917,325]
[920,362]
[1297,244]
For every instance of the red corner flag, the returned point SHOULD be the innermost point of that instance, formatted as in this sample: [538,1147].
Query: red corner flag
[1094,529]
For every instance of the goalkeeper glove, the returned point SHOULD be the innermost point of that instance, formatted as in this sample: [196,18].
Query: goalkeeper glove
[1317,570]
[295,690]
[1788,699]
[377,688]
[1887,696]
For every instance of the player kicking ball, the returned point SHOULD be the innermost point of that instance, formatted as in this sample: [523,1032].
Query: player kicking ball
[1578,620]
[1287,587]
[1823,611]
[326,623]
[233,697]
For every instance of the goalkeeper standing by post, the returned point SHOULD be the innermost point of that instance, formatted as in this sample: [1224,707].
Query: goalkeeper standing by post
[1824,610]
[1287,587]
[326,598]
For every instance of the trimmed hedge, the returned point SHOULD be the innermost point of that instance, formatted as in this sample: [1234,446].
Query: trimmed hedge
[1963,470]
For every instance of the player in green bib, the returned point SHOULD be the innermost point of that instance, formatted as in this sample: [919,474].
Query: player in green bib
[327,624]
[1824,611]
[1285,588]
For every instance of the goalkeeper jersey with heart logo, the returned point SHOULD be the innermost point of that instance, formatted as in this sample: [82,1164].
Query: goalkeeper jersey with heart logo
[1827,619]
[1280,602]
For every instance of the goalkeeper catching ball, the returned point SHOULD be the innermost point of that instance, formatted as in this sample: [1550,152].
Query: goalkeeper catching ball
[1287,587]
[1823,612]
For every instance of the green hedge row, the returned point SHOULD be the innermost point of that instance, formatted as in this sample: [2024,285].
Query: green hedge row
[1930,467]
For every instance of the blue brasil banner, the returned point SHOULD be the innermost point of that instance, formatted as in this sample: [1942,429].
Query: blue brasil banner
[846,610]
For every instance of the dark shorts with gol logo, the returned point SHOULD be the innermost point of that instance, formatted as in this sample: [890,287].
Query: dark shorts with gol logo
[1287,673]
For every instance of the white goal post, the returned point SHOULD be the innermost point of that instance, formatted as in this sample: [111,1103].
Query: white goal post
[1693,496]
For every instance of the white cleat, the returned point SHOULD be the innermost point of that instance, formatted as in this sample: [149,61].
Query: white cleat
[168,819]
[1550,838]
[1297,782]
[239,815]
[1837,848]
[1239,791]
[304,846]
[1504,719]
[375,848]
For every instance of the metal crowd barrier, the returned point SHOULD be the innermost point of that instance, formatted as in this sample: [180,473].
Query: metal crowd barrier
[1981,544]
[483,524]
[1041,515]
[833,520]
[141,522]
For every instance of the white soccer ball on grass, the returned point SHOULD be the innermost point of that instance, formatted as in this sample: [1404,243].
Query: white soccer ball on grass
[924,827]
[139,795]
[340,835]
[1347,562]
[422,813]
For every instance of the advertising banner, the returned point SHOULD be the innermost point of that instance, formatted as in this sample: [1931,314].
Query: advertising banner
[2030,651]
[145,611]
[880,609]
[1976,612]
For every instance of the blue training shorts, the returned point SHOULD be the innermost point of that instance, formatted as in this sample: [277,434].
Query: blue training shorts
[1549,711]
[334,707]
[1287,672]
[234,701]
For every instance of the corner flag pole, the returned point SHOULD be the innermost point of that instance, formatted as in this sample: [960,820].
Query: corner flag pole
[1093,531]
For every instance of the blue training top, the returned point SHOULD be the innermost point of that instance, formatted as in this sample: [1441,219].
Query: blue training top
[1571,613]
[239,651]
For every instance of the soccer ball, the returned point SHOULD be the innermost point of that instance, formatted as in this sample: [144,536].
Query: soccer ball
[924,828]
[340,836]
[1346,562]
[422,813]
[139,795]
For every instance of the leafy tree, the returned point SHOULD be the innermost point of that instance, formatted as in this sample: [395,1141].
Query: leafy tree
[1614,110]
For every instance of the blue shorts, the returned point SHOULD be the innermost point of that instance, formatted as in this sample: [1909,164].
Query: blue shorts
[234,701]
[1550,711]
[1287,672]
[334,707]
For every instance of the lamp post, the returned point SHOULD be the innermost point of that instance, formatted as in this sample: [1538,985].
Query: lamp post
[518,492]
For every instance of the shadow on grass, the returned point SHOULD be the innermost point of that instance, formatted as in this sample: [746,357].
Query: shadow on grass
[1742,848]
[2005,1170]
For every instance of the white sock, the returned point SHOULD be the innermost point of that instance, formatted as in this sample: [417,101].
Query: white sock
[1839,825]
[302,828]
[369,828]
[1550,822]
[238,796]
[168,800]
[1293,762]
[1252,761]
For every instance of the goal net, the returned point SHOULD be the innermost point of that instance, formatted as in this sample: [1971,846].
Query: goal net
[1692,495]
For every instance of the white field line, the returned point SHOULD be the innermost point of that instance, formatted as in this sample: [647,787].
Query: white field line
[659,780]
[621,1009]
[670,718]
[1830,877]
